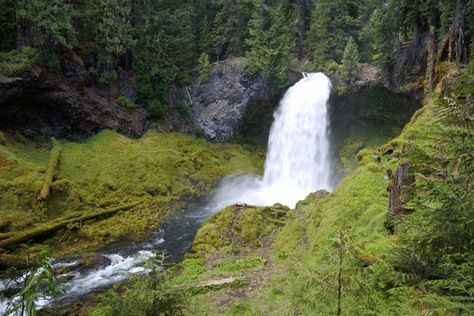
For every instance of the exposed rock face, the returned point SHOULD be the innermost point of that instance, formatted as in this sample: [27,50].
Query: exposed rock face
[407,68]
[221,105]
[367,77]
[66,104]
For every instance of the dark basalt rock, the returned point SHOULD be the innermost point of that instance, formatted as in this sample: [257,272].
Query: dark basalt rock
[67,104]
[220,107]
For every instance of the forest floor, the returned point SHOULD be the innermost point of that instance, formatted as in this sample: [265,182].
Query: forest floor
[157,174]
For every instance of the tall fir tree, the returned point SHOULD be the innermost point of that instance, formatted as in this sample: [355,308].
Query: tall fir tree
[270,42]
[45,23]
[350,60]
[333,21]
[114,30]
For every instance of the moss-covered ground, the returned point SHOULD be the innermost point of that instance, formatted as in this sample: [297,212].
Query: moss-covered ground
[328,241]
[160,169]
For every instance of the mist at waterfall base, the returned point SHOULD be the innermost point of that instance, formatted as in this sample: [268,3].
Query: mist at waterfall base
[298,151]
[297,164]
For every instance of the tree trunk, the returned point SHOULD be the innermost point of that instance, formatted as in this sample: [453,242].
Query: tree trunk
[20,34]
[52,168]
[454,48]
[431,62]
[302,13]
[44,230]
[418,31]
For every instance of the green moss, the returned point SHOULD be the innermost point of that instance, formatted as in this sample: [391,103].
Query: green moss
[241,309]
[243,263]
[17,62]
[108,170]
[237,228]
[306,249]
[187,271]
[125,102]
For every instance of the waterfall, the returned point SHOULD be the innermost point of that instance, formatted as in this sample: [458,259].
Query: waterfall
[297,164]
[298,150]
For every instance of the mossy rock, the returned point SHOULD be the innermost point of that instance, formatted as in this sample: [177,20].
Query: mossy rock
[107,170]
[312,198]
[237,228]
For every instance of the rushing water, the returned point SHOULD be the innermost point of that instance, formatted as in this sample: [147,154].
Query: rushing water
[297,164]
[298,150]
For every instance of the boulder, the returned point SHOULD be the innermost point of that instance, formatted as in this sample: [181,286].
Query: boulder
[220,106]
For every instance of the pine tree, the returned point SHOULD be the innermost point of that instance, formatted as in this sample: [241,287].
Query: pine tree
[204,67]
[350,60]
[164,52]
[270,43]
[230,27]
[46,23]
[332,22]
[382,35]
[114,31]
[8,25]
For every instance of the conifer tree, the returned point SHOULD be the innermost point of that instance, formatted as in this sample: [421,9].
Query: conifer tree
[350,60]
[204,67]
[230,27]
[333,21]
[270,42]
[114,31]
[45,23]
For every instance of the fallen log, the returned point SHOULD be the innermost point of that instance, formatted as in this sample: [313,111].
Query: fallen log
[211,283]
[52,168]
[12,261]
[44,230]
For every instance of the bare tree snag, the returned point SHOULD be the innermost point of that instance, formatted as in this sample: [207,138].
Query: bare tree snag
[302,12]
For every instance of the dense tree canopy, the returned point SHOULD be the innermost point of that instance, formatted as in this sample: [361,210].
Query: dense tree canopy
[161,41]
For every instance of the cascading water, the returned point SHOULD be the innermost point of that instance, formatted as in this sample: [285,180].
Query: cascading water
[298,150]
[297,164]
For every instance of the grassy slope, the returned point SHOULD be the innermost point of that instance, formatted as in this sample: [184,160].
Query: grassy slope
[109,170]
[304,256]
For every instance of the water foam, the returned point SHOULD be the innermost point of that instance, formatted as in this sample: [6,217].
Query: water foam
[298,150]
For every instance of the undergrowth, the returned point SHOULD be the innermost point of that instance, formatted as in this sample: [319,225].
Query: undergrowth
[109,170]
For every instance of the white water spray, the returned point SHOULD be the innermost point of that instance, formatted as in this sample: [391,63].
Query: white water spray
[298,150]
[297,164]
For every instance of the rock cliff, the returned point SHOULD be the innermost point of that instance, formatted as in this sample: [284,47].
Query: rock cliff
[67,103]
[221,106]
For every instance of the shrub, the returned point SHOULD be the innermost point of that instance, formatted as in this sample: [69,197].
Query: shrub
[125,102]
[204,67]
[149,295]
[38,282]
[331,67]
[50,60]
[156,108]
[106,78]
[17,62]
